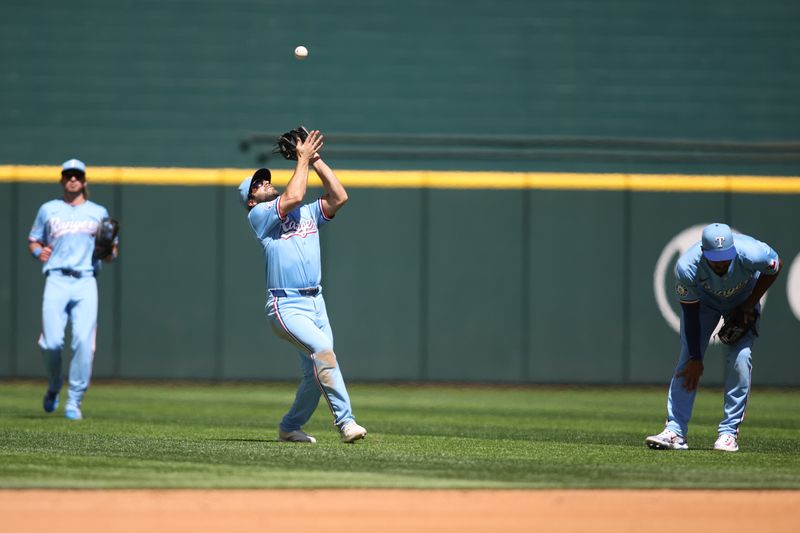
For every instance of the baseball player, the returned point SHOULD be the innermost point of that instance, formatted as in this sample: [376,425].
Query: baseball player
[63,240]
[288,230]
[720,276]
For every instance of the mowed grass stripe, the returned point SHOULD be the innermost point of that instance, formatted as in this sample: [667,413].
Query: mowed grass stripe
[223,436]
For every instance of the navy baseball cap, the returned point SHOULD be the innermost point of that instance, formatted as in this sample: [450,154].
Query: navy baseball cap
[262,174]
[73,164]
[717,243]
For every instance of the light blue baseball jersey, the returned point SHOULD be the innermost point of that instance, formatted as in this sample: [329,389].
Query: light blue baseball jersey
[69,231]
[697,282]
[290,242]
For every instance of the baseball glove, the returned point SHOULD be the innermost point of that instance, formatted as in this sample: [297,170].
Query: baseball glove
[286,145]
[105,238]
[736,326]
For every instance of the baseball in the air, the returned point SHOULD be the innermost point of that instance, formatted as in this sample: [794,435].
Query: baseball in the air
[301,52]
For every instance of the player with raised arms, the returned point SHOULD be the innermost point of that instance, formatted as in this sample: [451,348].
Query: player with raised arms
[288,230]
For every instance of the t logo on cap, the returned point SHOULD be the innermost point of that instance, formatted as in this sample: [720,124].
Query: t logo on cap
[717,243]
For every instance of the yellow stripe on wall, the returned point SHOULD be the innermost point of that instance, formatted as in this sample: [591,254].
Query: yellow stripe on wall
[415,179]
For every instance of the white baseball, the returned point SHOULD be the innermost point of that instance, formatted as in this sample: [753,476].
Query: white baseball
[301,52]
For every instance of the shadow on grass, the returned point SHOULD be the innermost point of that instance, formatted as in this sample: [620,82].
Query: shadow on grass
[245,440]
[29,416]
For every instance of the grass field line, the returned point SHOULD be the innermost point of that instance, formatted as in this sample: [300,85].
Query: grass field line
[184,436]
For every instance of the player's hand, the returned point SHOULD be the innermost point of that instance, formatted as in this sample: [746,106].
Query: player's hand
[45,255]
[308,149]
[691,374]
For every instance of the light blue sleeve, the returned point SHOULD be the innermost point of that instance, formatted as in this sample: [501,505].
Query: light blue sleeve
[318,213]
[685,286]
[264,218]
[39,228]
[759,256]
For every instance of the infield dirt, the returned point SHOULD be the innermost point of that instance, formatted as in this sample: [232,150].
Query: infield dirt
[389,511]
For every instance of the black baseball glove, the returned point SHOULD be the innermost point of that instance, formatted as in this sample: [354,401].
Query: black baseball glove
[286,145]
[105,238]
[736,326]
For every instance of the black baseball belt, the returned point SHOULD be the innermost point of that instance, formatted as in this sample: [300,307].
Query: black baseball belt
[282,293]
[69,272]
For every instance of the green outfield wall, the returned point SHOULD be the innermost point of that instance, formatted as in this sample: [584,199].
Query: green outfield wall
[519,172]
[514,285]
[180,82]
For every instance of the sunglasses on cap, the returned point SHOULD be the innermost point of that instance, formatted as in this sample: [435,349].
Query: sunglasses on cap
[77,174]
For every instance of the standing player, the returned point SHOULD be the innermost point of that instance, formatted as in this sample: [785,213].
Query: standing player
[288,231]
[63,239]
[718,276]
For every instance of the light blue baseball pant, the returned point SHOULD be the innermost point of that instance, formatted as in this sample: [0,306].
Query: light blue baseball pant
[303,321]
[680,402]
[74,299]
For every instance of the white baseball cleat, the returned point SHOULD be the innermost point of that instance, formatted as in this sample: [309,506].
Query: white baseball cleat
[295,436]
[726,443]
[73,412]
[351,431]
[667,440]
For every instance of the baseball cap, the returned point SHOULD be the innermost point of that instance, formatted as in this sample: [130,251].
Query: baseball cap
[717,243]
[73,164]
[262,174]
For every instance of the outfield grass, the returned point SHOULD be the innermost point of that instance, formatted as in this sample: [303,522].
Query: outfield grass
[217,436]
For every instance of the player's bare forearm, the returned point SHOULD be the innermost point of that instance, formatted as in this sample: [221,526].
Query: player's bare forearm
[335,195]
[296,188]
[764,282]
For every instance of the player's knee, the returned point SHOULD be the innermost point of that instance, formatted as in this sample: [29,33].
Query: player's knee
[744,360]
[82,343]
[325,363]
[51,344]
[325,358]
[84,338]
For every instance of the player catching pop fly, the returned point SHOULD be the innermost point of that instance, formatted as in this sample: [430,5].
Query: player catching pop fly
[719,276]
[288,232]
[67,237]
